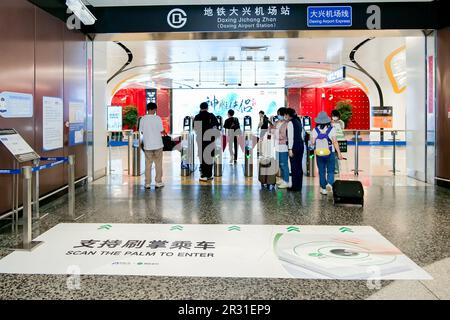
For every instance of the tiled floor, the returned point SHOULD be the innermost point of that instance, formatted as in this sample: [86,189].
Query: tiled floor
[412,215]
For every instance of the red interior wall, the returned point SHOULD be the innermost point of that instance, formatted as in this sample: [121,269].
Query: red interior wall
[136,97]
[312,102]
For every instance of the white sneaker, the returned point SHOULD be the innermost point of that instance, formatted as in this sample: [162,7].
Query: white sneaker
[159,185]
[283,185]
[324,192]
[329,188]
[147,186]
[203,179]
[231,162]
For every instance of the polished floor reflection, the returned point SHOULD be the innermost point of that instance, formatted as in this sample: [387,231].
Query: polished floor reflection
[412,215]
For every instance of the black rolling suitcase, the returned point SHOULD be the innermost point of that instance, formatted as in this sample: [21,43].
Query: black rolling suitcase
[348,192]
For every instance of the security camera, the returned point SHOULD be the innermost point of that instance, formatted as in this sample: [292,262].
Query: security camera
[239,84]
[256,84]
[197,85]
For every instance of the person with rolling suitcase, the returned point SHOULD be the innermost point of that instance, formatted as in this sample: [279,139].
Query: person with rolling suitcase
[325,144]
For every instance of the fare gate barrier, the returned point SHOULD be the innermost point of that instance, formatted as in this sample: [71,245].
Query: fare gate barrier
[218,151]
[248,140]
[30,196]
[187,148]
[309,160]
[136,155]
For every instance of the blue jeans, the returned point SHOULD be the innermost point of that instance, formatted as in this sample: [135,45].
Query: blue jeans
[283,161]
[326,167]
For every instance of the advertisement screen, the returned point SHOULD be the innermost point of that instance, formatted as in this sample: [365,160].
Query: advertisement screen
[114,119]
[244,102]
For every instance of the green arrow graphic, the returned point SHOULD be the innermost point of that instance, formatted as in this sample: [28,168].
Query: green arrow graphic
[292,229]
[234,228]
[345,229]
[105,227]
[179,228]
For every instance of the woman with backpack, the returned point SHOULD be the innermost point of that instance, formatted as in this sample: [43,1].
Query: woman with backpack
[325,145]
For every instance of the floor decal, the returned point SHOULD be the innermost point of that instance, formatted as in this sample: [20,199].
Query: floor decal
[248,251]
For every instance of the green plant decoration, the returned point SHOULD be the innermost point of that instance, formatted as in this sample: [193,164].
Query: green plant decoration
[130,117]
[345,108]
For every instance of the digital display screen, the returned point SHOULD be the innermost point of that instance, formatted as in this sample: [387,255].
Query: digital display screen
[244,102]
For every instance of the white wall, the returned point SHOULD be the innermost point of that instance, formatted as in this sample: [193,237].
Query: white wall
[100,150]
[372,57]
[416,116]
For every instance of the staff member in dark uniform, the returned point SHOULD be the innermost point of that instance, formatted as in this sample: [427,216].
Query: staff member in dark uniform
[204,122]
[296,148]
[233,127]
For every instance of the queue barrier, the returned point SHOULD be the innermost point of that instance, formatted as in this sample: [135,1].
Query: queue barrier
[27,176]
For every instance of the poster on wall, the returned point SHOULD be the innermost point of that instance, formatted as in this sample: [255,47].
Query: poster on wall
[244,102]
[16,105]
[18,147]
[382,117]
[77,123]
[114,118]
[52,123]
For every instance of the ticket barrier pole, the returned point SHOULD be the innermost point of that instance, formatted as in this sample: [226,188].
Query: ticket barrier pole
[356,170]
[394,155]
[71,183]
[130,152]
[218,152]
[136,155]
[36,207]
[27,242]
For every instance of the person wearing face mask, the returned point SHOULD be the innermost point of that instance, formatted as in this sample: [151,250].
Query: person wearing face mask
[339,126]
[295,148]
[281,147]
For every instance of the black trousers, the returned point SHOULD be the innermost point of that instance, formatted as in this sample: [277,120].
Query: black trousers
[206,168]
[297,168]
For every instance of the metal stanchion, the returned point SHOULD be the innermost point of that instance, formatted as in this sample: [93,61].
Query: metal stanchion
[394,150]
[16,230]
[130,152]
[356,170]
[27,243]
[36,207]
[71,185]
[13,206]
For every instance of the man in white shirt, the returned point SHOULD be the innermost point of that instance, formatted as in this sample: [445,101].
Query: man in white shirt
[152,129]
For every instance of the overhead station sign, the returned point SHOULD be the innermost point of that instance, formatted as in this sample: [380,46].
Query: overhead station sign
[336,16]
[265,17]
[337,75]
[242,251]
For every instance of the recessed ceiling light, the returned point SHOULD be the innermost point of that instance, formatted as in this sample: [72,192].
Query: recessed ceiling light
[301,58]
[231,58]
[249,58]
[213,58]
[266,58]
[281,58]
